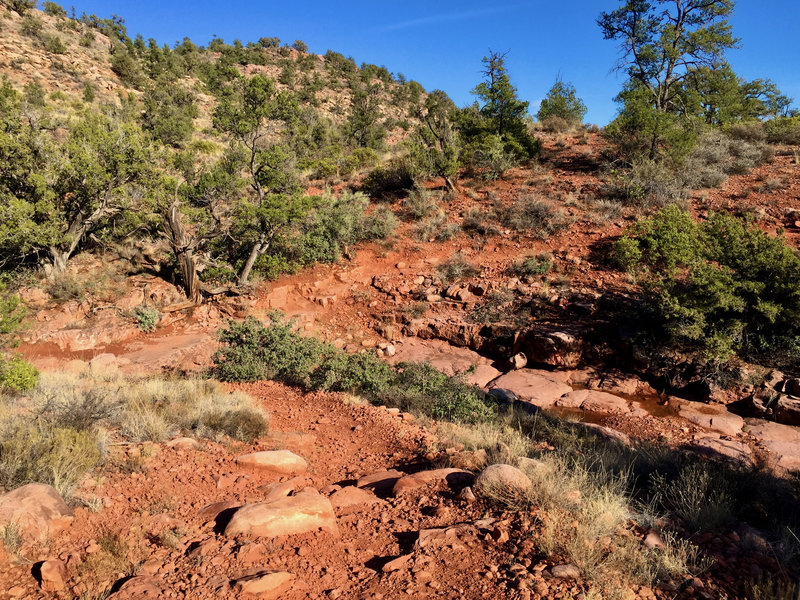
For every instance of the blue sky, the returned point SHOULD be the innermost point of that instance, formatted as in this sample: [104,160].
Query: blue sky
[441,43]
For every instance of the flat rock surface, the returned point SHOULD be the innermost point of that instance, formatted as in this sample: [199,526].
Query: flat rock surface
[279,461]
[539,388]
[305,512]
[711,417]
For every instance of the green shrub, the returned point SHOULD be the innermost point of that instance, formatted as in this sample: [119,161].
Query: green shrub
[251,350]
[31,26]
[53,9]
[488,154]
[53,44]
[480,221]
[379,224]
[647,184]
[17,375]
[389,182]
[436,227]
[147,318]
[65,287]
[533,266]
[723,286]
[420,387]
[783,131]
[420,203]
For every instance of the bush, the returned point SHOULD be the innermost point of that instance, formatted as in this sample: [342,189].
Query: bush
[33,452]
[53,9]
[379,224]
[456,268]
[721,287]
[533,266]
[783,131]
[276,351]
[53,44]
[17,375]
[147,318]
[479,221]
[389,182]
[420,203]
[488,154]
[534,217]
[555,124]
[436,228]
[31,26]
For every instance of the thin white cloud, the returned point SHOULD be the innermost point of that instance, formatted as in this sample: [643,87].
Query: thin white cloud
[448,18]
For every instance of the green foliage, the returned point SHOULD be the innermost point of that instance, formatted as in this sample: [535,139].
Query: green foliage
[379,224]
[88,93]
[533,266]
[252,351]
[54,45]
[19,6]
[12,312]
[722,287]
[389,181]
[53,9]
[300,46]
[126,66]
[784,130]
[363,127]
[31,26]
[501,112]
[436,146]
[17,375]
[147,318]
[562,101]
[488,153]
[169,112]
[660,45]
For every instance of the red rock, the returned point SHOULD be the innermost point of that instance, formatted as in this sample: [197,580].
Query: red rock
[265,584]
[454,478]
[348,498]
[141,588]
[52,575]
[381,482]
[502,479]
[305,512]
[539,388]
[398,563]
[37,509]
[279,461]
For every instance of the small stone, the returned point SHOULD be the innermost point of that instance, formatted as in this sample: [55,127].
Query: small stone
[653,540]
[265,584]
[567,571]
[467,495]
[397,564]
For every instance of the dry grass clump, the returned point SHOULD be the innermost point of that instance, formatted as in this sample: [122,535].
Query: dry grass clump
[59,432]
[456,268]
[535,217]
[435,228]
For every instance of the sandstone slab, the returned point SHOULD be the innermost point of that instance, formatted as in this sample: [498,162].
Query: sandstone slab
[713,418]
[539,388]
[37,509]
[264,584]
[305,512]
[278,461]
[455,478]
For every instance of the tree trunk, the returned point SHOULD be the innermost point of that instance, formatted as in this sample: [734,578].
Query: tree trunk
[257,250]
[448,182]
[60,258]
[187,265]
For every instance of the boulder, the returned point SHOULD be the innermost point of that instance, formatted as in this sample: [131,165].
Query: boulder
[792,387]
[482,375]
[556,348]
[37,509]
[538,388]
[305,512]
[455,478]
[714,418]
[279,461]
[380,482]
[729,449]
[783,441]
[52,575]
[183,443]
[787,410]
[503,480]
[264,584]
[350,497]
[594,401]
[568,571]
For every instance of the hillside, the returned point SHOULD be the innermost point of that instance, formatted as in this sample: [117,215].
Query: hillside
[518,363]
